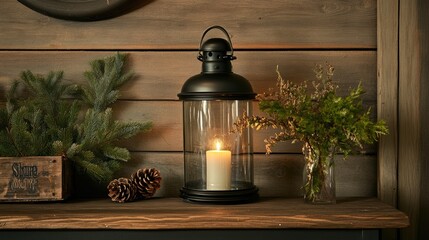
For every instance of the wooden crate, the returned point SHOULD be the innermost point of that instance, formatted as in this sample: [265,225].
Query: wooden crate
[39,178]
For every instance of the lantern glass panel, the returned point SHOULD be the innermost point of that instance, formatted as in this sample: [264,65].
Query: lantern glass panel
[215,157]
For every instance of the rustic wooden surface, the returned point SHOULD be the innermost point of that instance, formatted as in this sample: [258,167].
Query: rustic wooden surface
[153,93]
[162,39]
[160,75]
[167,133]
[387,103]
[162,24]
[277,175]
[40,178]
[387,98]
[413,108]
[424,117]
[173,213]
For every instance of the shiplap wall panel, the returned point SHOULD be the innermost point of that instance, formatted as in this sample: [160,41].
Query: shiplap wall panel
[153,84]
[387,98]
[160,75]
[411,114]
[276,175]
[167,133]
[164,24]
[162,38]
[387,103]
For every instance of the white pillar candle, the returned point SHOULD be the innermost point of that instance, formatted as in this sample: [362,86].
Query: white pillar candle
[218,169]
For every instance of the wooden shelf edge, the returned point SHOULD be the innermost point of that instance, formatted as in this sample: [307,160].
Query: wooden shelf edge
[173,213]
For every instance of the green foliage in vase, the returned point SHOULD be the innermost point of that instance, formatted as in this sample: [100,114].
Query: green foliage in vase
[44,116]
[317,116]
[313,113]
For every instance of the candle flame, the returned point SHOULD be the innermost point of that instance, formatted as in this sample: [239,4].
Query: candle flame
[218,145]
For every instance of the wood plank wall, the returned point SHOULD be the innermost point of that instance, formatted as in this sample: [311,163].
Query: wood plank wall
[423,232]
[387,100]
[413,167]
[162,39]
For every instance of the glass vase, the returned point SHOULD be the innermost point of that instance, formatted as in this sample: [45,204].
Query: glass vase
[319,176]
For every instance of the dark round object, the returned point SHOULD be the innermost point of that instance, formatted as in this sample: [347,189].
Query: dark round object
[220,197]
[79,10]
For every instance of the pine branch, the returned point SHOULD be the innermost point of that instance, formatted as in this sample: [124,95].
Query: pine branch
[116,153]
[40,119]
[98,129]
[18,132]
[104,79]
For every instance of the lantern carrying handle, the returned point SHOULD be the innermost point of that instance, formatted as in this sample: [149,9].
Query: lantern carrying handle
[230,57]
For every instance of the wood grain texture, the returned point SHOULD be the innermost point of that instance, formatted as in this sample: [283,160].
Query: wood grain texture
[162,24]
[387,103]
[160,75]
[30,179]
[410,126]
[162,38]
[387,98]
[154,86]
[173,213]
[276,175]
[167,132]
[424,117]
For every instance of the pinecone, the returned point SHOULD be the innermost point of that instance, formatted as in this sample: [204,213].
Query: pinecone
[147,181]
[122,190]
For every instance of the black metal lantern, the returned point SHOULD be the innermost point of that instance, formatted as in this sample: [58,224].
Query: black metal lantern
[218,163]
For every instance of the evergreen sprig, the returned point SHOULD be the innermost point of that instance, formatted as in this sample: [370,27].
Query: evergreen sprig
[36,114]
[104,80]
[41,118]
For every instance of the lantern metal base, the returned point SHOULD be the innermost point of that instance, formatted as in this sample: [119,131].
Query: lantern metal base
[220,197]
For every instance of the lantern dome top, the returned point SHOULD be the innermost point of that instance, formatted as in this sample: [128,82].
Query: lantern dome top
[217,86]
[216,80]
[216,45]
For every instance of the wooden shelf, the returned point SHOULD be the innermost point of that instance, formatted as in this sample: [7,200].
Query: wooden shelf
[173,213]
